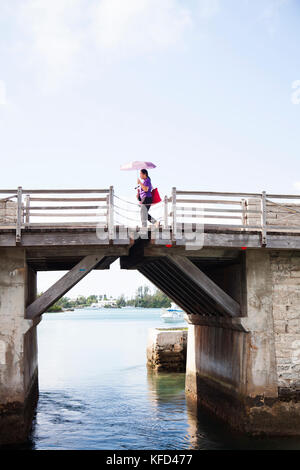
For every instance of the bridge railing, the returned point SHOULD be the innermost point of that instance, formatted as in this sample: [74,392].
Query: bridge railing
[218,210]
[56,208]
[236,211]
[9,208]
[74,208]
[282,212]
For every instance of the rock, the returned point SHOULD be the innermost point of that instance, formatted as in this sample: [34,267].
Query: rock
[166,349]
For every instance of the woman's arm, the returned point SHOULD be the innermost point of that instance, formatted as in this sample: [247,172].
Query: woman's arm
[144,188]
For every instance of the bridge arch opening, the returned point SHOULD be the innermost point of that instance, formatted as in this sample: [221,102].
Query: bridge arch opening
[235,300]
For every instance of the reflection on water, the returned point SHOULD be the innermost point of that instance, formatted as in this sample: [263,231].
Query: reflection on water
[94,384]
[96,391]
[165,387]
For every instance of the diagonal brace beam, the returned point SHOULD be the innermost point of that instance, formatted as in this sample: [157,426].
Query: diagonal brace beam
[63,285]
[211,289]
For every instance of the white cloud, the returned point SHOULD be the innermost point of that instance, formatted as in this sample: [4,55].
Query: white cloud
[297,185]
[3,100]
[271,14]
[53,32]
[139,26]
[208,8]
[58,33]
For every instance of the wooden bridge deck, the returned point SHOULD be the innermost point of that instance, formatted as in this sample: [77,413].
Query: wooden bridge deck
[43,220]
[61,249]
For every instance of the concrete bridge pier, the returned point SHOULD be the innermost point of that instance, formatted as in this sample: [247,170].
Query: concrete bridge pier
[245,370]
[20,312]
[18,347]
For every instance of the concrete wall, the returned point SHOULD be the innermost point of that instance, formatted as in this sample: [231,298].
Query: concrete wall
[166,349]
[8,212]
[210,361]
[18,347]
[283,216]
[246,370]
[285,268]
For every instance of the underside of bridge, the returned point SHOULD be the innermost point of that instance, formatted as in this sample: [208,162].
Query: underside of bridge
[205,286]
[242,361]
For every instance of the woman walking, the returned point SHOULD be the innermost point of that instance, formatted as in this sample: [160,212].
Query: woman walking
[145,196]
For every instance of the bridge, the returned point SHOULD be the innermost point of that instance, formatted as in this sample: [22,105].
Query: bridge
[231,261]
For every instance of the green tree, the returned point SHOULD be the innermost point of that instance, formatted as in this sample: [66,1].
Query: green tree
[121,302]
[55,308]
[92,299]
[144,298]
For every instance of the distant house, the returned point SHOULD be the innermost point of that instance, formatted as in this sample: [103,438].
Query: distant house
[105,303]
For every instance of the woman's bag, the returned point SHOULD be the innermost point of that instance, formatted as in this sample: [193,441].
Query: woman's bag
[155,196]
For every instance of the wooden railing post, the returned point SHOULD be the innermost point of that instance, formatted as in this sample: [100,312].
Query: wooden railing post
[108,212]
[111,213]
[244,212]
[263,219]
[27,216]
[166,215]
[174,220]
[19,216]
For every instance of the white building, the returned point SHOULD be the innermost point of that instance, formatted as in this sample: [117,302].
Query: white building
[103,303]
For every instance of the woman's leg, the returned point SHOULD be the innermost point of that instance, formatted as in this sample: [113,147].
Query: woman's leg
[146,204]
[144,213]
[150,218]
[149,202]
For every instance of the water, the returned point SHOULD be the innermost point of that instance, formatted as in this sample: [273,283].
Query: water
[96,392]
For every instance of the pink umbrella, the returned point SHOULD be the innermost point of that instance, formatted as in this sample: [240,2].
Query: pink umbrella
[137,166]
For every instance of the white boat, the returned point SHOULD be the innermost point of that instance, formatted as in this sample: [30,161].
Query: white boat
[174,314]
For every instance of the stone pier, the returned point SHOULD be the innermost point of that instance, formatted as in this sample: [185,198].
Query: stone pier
[166,349]
[246,369]
[18,347]
[21,311]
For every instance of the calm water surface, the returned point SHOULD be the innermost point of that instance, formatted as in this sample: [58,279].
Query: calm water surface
[96,392]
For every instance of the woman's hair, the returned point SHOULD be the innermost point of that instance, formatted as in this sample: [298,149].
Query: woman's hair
[145,172]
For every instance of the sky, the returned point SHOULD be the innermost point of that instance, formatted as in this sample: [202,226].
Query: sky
[209,90]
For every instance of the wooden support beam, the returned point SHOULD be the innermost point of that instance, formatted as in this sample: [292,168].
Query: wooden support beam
[135,256]
[63,285]
[263,219]
[19,216]
[166,288]
[211,289]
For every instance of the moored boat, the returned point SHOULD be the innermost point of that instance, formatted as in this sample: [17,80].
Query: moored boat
[174,314]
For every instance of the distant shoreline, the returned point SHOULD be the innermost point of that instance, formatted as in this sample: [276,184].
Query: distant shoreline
[92,309]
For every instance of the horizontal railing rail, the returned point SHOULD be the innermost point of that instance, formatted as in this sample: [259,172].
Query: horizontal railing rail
[23,209]
[219,211]
[282,214]
[55,208]
[243,211]
[215,193]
